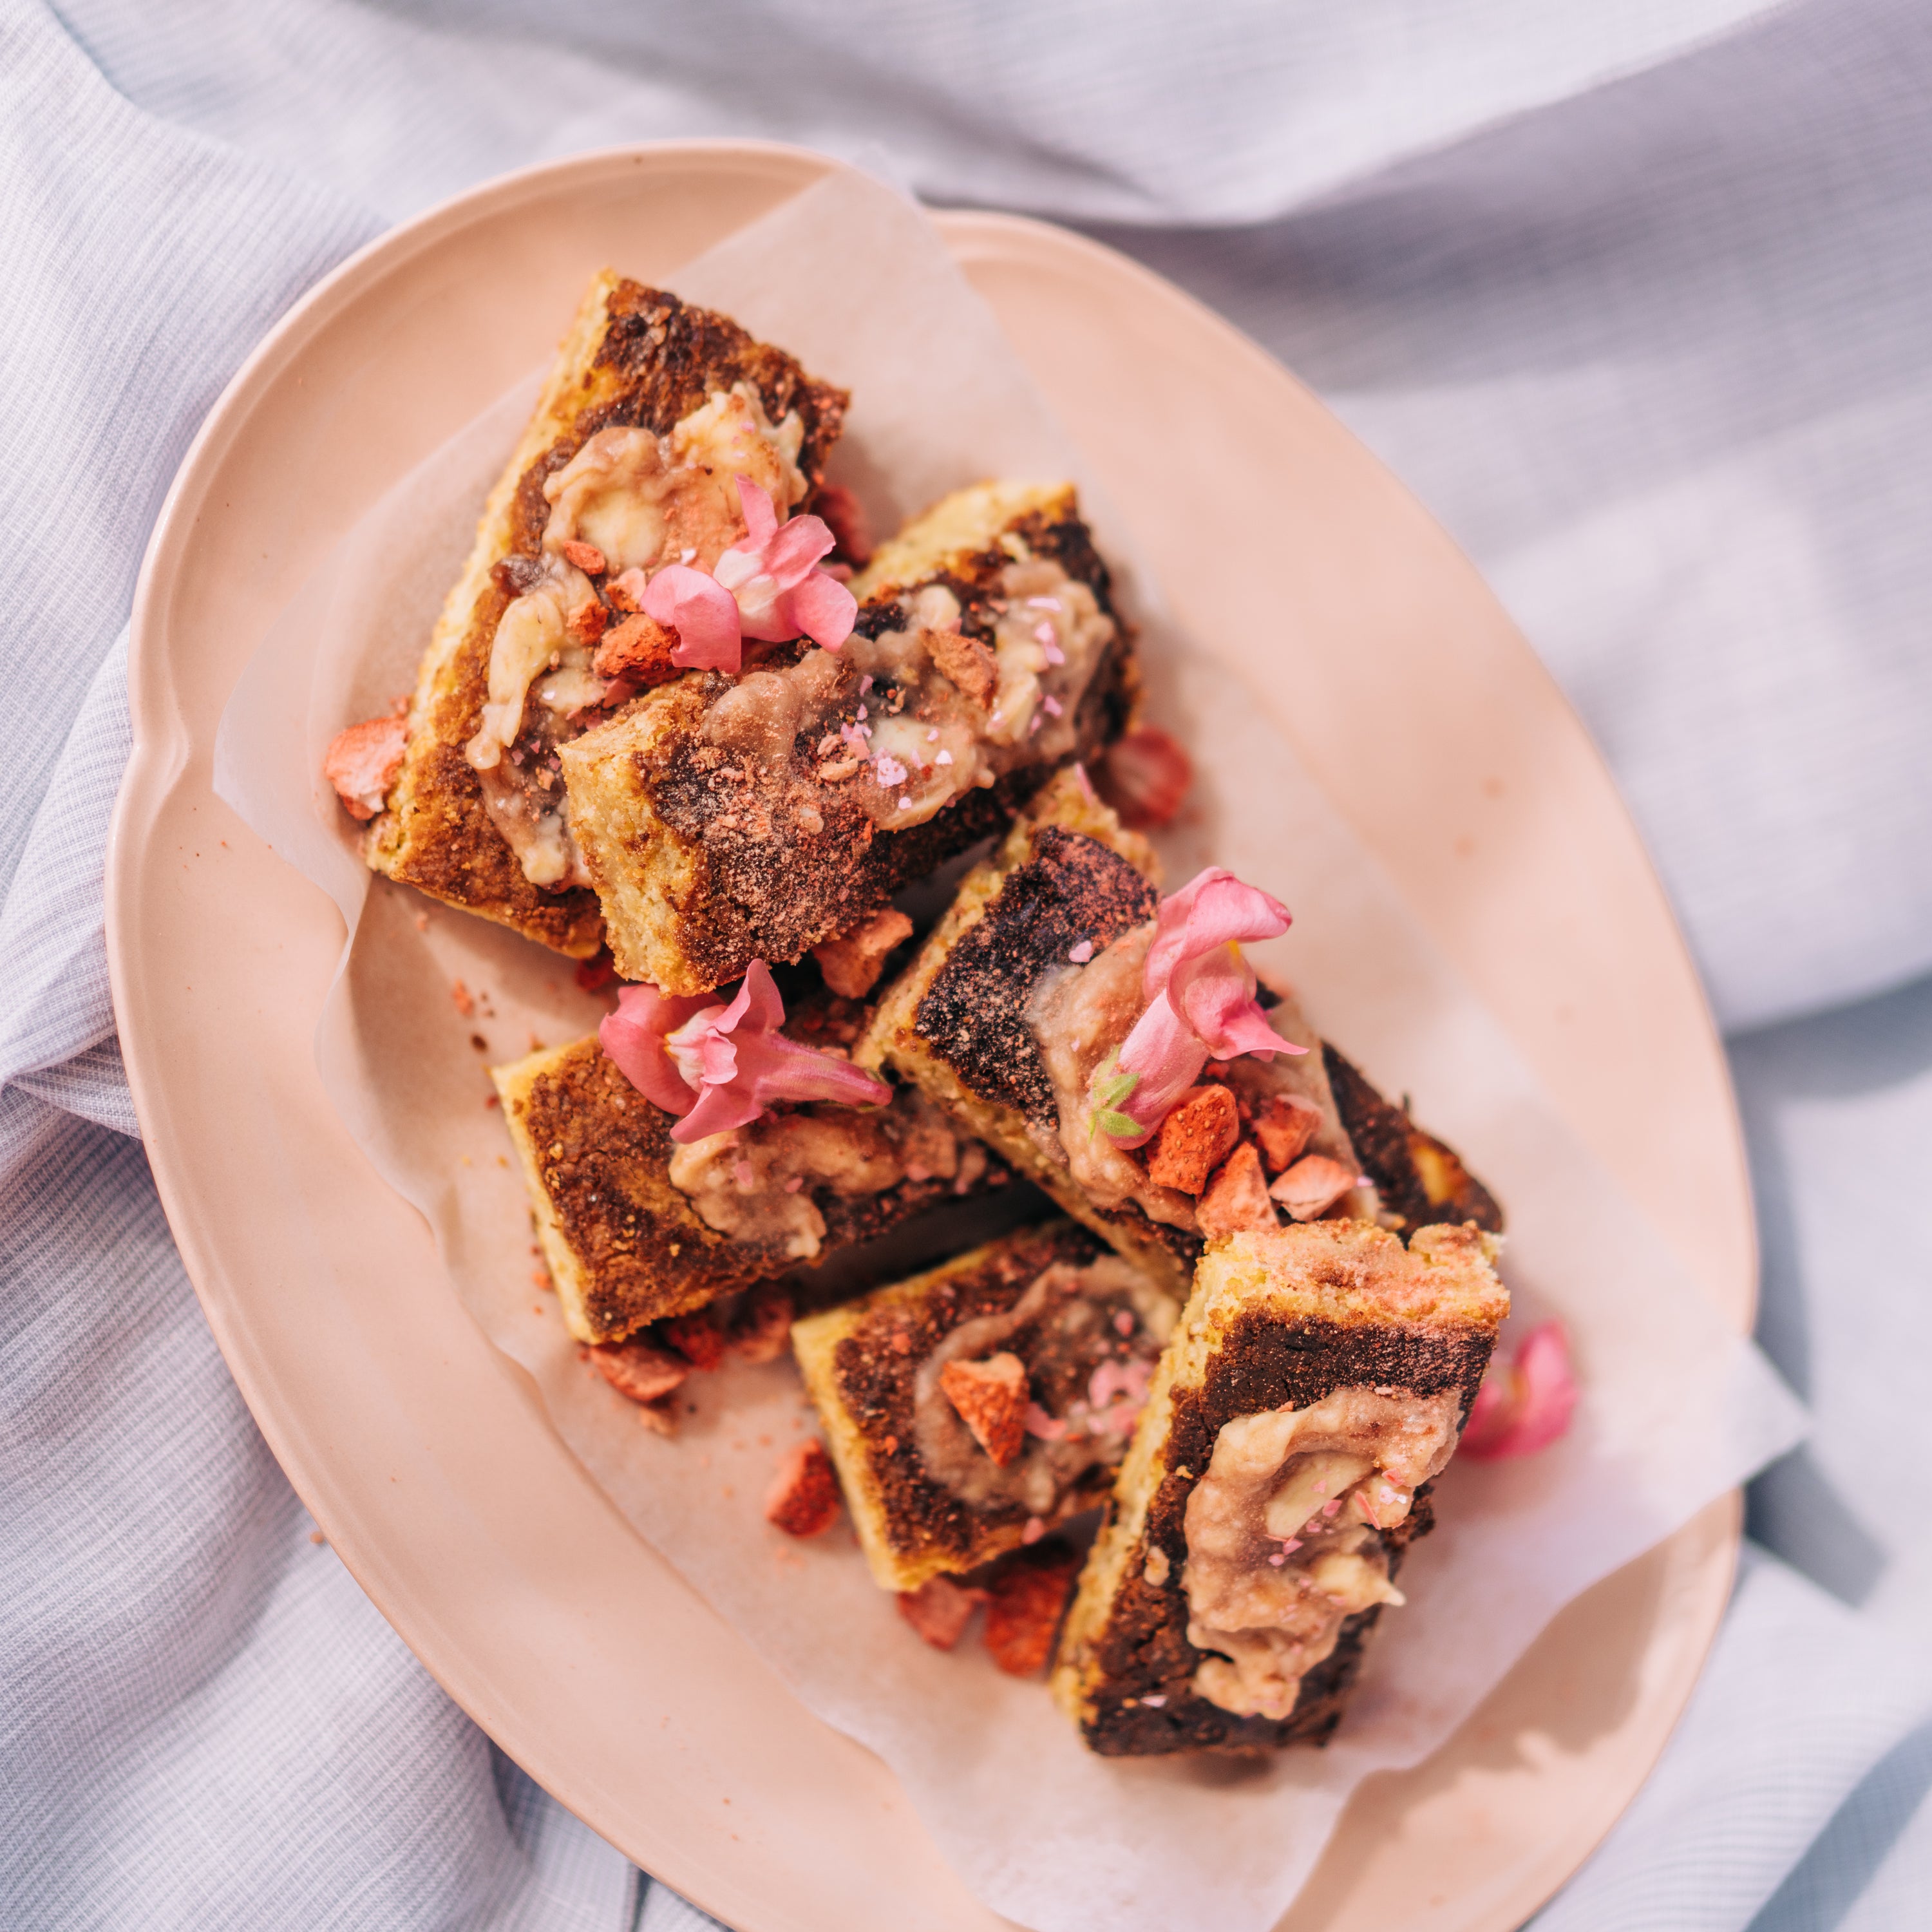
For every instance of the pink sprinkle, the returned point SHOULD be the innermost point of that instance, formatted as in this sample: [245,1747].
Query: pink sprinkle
[1321,1485]
[1293,1543]
[862,714]
[1043,632]
[890,772]
[1054,654]
[932,735]
[1082,952]
[864,686]
[1034,726]
[1331,1505]
[1276,1562]
[742,1169]
[1047,1428]
[944,758]
[1052,704]
[1034,1530]
[1155,1701]
[794,1183]
[1123,1323]
[1043,603]
[905,805]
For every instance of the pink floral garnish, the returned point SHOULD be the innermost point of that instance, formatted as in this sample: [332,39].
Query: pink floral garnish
[703,613]
[719,1066]
[1201,1003]
[769,586]
[1526,1404]
[773,575]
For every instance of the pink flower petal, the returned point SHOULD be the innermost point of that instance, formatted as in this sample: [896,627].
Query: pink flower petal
[634,1037]
[789,556]
[1530,1405]
[824,609]
[761,517]
[1213,909]
[703,614]
[1216,993]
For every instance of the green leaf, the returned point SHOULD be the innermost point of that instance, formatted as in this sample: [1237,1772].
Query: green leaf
[1116,1125]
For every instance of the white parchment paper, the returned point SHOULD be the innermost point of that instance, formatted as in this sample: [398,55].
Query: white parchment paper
[1676,1409]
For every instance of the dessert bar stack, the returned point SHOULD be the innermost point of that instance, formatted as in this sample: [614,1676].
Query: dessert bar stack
[854,836]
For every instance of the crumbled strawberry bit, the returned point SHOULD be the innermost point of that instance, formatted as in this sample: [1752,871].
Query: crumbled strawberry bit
[362,762]
[1024,1606]
[761,1331]
[1032,1530]
[1237,1198]
[636,1370]
[1145,777]
[804,1499]
[1124,1323]
[625,594]
[964,662]
[1196,1138]
[1313,1186]
[696,1337]
[462,998]
[1282,1126]
[991,1398]
[852,962]
[587,557]
[1527,1401]
[640,650]
[940,1609]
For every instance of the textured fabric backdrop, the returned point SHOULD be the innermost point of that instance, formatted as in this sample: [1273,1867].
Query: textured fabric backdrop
[1639,299]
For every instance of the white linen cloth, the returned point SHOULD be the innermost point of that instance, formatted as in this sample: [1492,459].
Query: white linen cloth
[1636,298]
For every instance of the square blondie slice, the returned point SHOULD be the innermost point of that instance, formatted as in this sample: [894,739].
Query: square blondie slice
[723,819]
[1007,1006]
[635,1228]
[1316,1386]
[971,1408]
[649,409]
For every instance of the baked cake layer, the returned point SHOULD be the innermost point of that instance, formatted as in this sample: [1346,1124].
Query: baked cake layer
[627,1243]
[1316,1385]
[993,1019]
[634,358]
[972,1408]
[725,819]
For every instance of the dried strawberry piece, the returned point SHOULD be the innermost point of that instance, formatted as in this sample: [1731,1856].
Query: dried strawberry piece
[596,973]
[637,1370]
[1237,1198]
[638,650]
[804,1498]
[991,1399]
[1024,1606]
[940,1609]
[1284,1124]
[852,962]
[1313,1186]
[587,557]
[695,1337]
[1194,1138]
[1145,776]
[361,764]
[761,1331]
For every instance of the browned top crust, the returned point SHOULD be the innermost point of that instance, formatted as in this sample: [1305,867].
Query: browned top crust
[973,1014]
[1419,1178]
[778,868]
[874,1367]
[657,360]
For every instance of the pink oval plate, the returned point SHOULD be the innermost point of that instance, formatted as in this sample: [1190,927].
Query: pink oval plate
[425,1455]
